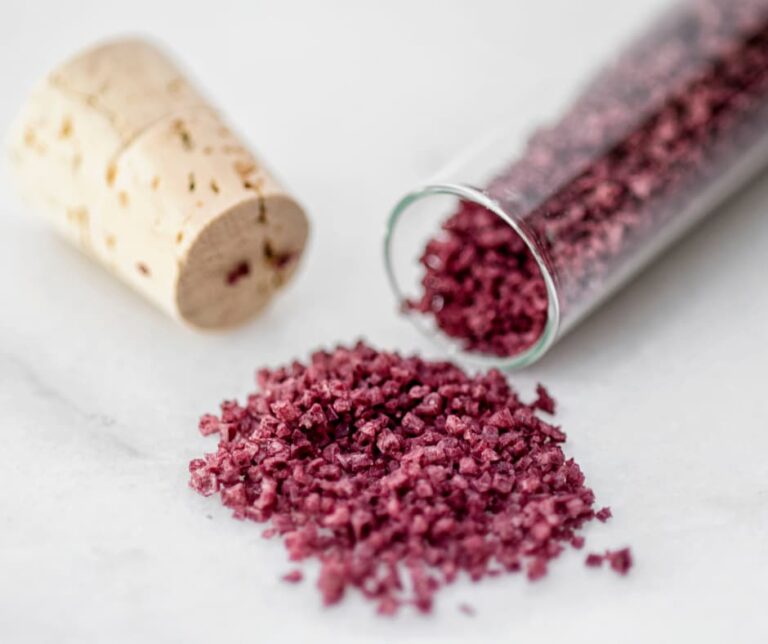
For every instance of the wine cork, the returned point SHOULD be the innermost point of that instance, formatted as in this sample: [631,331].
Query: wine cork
[135,167]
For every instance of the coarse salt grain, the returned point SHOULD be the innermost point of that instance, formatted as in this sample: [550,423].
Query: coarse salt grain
[619,560]
[594,560]
[388,468]
[603,514]
[467,609]
[293,577]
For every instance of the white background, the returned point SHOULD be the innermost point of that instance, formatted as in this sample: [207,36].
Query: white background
[663,391]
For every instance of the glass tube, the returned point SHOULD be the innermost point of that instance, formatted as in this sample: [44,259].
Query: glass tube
[505,251]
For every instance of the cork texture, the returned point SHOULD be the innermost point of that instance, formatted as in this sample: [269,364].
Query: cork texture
[139,171]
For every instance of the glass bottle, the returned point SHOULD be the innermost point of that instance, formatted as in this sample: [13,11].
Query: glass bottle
[504,252]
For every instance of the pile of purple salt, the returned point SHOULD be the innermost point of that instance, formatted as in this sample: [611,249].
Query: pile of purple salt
[397,473]
[646,137]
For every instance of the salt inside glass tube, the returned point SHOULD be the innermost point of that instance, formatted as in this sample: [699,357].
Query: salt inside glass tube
[505,253]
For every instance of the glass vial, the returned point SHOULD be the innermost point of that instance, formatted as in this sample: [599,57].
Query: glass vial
[507,250]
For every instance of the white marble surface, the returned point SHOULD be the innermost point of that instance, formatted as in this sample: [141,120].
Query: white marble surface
[663,391]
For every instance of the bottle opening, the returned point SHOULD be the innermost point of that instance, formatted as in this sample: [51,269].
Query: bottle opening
[467,272]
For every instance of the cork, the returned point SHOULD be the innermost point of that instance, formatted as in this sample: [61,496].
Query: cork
[137,169]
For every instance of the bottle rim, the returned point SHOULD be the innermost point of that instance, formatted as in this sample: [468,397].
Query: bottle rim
[425,324]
